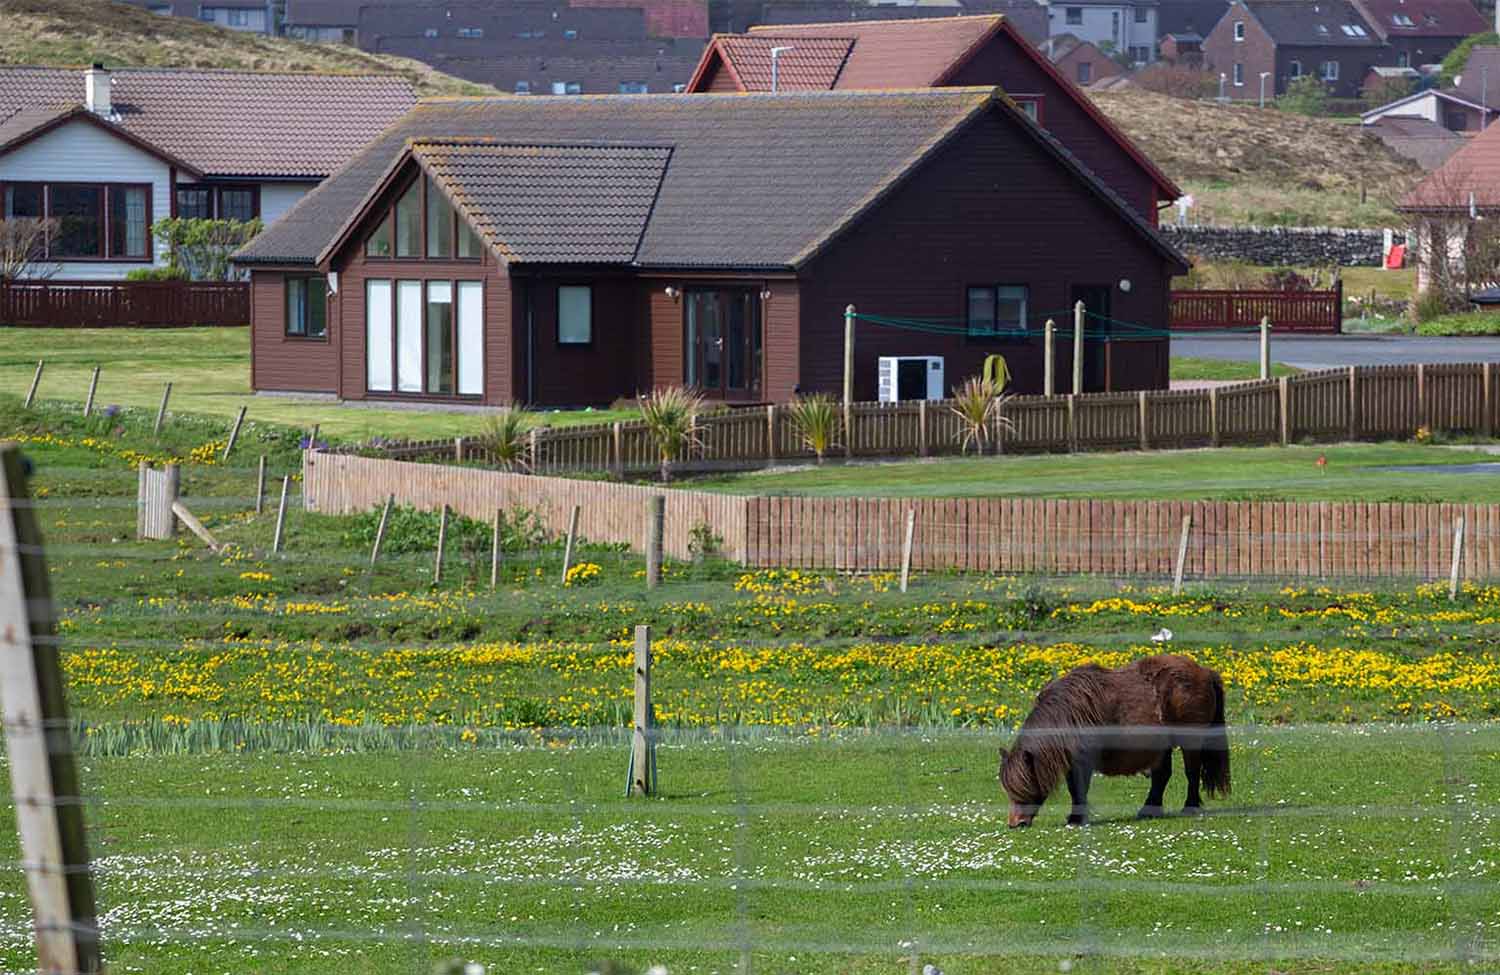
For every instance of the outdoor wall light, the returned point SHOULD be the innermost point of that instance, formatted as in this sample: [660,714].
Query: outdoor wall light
[765,294]
[673,292]
[1125,285]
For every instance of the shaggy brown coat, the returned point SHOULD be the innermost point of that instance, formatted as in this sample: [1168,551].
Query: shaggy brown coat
[1120,722]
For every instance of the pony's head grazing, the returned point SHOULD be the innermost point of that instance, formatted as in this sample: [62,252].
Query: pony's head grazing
[1028,773]
[1044,747]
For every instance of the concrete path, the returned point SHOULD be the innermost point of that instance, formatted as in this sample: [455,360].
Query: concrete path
[1331,351]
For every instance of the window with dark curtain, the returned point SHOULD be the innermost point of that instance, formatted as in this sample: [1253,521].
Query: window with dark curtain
[195,203]
[79,211]
[237,204]
[307,307]
[23,200]
[129,234]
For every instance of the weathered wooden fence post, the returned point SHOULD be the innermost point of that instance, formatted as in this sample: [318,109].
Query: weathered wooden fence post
[437,562]
[1284,407]
[643,738]
[1265,348]
[1072,423]
[36,381]
[286,483]
[1049,358]
[771,432]
[161,411]
[88,404]
[38,742]
[458,450]
[385,517]
[572,539]
[1145,422]
[617,450]
[656,521]
[1487,397]
[1182,547]
[157,491]
[1213,416]
[234,432]
[1458,556]
[1353,402]
[185,516]
[1424,417]
[495,548]
[1078,322]
[911,528]
[260,485]
[922,448]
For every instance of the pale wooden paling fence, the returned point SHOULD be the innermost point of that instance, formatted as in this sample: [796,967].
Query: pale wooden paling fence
[1354,403]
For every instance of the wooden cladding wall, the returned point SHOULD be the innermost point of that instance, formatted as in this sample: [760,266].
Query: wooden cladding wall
[1357,403]
[1129,539]
[133,304]
[340,485]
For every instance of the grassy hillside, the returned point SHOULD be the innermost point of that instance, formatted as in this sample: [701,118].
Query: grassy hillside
[79,32]
[1249,165]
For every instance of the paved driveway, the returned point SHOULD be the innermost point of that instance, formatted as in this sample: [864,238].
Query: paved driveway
[1331,351]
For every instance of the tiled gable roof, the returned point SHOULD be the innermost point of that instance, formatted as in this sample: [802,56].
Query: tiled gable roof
[231,123]
[807,64]
[1425,18]
[1314,23]
[551,204]
[897,53]
[754,181]
[1471,173]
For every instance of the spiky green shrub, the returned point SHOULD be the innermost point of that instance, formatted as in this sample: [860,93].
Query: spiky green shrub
[671,417]
[816,420]
[507,436]
[978,406]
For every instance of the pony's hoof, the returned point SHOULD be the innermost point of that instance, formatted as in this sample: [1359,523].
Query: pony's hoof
[1077,820]
[1151,812]
[1192,810]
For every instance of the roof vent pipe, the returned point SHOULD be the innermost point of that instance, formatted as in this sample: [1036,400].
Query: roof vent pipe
[776,53]
[96,81]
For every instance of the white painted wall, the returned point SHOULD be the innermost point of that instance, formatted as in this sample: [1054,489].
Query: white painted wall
[1423,107]
[277,198]
[80,152]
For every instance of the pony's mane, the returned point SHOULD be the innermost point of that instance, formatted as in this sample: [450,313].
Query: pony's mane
[1050,733]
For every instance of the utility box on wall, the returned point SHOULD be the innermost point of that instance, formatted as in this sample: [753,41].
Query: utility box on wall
[911,377]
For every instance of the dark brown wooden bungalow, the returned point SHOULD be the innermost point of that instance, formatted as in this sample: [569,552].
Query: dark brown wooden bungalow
[570,251]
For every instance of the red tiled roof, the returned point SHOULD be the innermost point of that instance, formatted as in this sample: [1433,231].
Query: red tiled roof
[231,123]
[897,53]
[664,18]
[1425,18]
[808,64]
[1471,173]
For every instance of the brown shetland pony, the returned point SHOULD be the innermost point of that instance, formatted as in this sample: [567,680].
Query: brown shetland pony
[1120,722]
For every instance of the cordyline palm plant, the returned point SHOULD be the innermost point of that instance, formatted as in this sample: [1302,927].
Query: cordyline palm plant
[816,420]
[507,436]
[671,417]
[978,405]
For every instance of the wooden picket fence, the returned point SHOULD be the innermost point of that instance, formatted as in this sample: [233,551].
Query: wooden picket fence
[1273,540]
[134,304]
[1355,403]
[1309,312]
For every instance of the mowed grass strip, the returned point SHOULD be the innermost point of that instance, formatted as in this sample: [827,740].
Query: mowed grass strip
[1342,850]
[209,369]
[1353,472]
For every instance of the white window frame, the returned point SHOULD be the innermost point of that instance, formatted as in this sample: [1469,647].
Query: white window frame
[1239,75]
[1239,30]
[1295,67]
[1324,72]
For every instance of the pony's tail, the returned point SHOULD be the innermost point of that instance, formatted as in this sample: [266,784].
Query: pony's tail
[1215,753]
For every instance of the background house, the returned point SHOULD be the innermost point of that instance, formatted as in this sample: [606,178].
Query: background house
[1125,26]
[1081,62]
[1419,32]
[938,52]
[1178,17]
[255,16]
[1290,39]
[470,256]
[109,153]
[1425,142]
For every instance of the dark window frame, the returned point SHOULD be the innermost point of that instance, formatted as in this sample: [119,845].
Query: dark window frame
[395,392]
[307,281]
[999,332]
[377,217]
[1039,101]
[557,300]
[216,193]
[755,358]
[105,192]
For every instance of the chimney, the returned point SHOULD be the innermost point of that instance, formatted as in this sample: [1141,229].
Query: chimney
[96,90]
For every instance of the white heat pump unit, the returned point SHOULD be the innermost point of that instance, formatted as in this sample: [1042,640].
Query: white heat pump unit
[910,377]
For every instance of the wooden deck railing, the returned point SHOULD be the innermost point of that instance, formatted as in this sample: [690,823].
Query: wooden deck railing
[133,304]
[1317,312]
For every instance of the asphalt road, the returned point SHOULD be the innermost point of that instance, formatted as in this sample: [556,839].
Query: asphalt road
[1332,351]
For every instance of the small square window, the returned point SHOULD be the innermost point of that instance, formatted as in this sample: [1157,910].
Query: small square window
[575,314]
[1075,16]
[1142,14]
[1239,30]
[307,307]
[523,88]
[574,88]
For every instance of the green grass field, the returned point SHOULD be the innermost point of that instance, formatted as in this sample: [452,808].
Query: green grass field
[209,369]
[1223,370]
[1353,471]
[296,764]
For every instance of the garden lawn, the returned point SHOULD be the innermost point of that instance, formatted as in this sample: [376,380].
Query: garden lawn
[295,764]
[1223,370]
[209,369]
[1354,472]
[1471,323]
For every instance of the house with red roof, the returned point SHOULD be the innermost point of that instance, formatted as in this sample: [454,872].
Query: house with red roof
[109,153]
[1422,32]
[936,53]
[1458,197]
